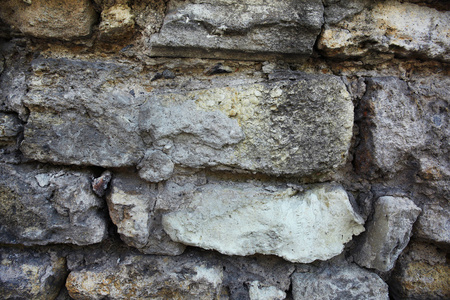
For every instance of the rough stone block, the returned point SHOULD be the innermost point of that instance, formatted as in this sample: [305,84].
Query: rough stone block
[80,113]
[339,282]
[403,122]
[422,272]
[29,274]
[64,20]
[10,126]
[243,219]
[390,27]
[132,208]
[434,223]
[297,126]
[388,233]
[40,206]
[117,22]
[254,30]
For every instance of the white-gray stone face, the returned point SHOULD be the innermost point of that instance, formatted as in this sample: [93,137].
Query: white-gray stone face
[388,233]
[339,282]
[244,220]
[255,30]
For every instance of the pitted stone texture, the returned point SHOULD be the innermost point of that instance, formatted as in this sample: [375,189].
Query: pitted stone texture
[156,166]
[131,205]
[434,223]
[64,20]
[390,27]
[388,233]
[82,113]
[422,272]
[403,120]
[117,22]
[254,30]
[152,277]
[30,274]
[10,126]
[196,274]
[297,126]
[339,282]
[242,219]
[42,205]
[258,292]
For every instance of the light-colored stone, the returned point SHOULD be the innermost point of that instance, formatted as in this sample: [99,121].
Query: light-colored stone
[64,20]
[390,27]
[388,233]
[254,30]
[156,166]
[10,126]
[422,272]
[117,22]
[39,206]
[29,274]
[258,292]
[300,127]
[131,205]
[339,282]
[147,277]
[243,220]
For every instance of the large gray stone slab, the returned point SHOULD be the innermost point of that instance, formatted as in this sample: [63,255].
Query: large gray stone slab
[40,206]
[242,219]
[254,30]
[339,282]
[388,233]
[31,274]
[297,126]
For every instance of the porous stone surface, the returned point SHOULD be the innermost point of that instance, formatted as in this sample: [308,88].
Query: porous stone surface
[132,208]
[422,272]
[388,233]
[64,20]
[434,223]
[339,282]
[404,120]
[42,205]
[31,274]
[392,28]
[244,220]
[117,22]
[254,30]
[189,276]
[272,127]
[73,122]
[258,292]
[10,126]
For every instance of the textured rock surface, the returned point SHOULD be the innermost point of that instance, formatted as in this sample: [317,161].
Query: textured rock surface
[254,30]
[243,220]
[10,126]
[258,292]
[434,223]
[388,233]
[390,27]
[339,282]
[132,208]
[180,277]
[42,205]
[50,18]
[403,120]
[73,122]
[423,272]
[272,128]
[29,274]
[117,22]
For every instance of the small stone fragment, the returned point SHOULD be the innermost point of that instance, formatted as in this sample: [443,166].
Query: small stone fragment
[258,292]
[167,74]
[388,233]
[10,126]
[243,220]
[100,184]
[218,69]
[30,274]
[117,22]
[339,282]
[156,166]
[434,223]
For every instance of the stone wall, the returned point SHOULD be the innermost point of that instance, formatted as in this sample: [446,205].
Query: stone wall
[224,149]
